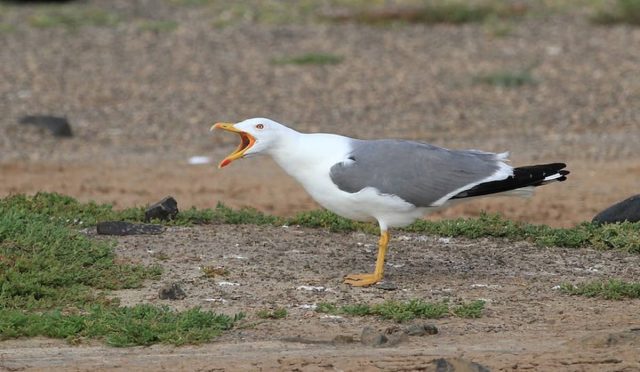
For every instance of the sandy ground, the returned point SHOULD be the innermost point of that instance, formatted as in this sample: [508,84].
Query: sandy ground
[141,102]
[527,325]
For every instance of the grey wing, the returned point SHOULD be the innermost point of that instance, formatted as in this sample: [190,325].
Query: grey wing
[419,173]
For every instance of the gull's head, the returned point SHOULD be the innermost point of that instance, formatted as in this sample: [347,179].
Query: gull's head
[257,135]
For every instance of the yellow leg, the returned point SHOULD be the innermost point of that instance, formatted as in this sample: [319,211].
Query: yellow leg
[363,280]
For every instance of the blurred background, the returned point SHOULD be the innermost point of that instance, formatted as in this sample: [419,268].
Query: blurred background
[140,82]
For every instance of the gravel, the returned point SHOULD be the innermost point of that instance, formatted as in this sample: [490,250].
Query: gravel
[134,93]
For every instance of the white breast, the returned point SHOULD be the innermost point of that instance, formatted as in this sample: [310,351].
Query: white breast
[309,161]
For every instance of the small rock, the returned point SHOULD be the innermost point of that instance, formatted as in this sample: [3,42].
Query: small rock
[171,291]
[58,126]
[387,286]
[457,365]
[394,335]
[391,336]
[127,228]
[371,337]
[166,209]
[626,210]
[421,329]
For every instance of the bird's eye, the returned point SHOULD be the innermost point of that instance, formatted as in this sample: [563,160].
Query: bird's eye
[259,126]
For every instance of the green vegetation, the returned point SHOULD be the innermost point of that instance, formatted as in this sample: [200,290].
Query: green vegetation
[158,25]
[507,78]
[53,280]
[612,289]
[624,236]
[119,326]
[279,313]
[72,17]
[623,11]
[431,12]
[309,59]
[214,271]
[44,264]
[404,311]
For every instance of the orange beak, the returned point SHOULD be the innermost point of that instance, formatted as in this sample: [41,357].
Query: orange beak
[246,141]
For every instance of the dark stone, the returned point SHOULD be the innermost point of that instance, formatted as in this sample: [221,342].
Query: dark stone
[372,337]
[171,291]
[626,210]
[394,335]
[457,365]
[166,209]
[387,286]
[127,228]
[58,126]
[421,329]
[391,336]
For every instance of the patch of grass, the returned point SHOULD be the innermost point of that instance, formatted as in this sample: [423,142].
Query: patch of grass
[44,264]
[623,11]
[612,289]
[507,78]
[72,17]
[498,27]
[119,326]
[309,59]
[279,313]
[405,311]
[191,2]
[469,310]
[623,236]
[53,280]
[158,25]
[328,220]
[224,214]
[214,271]
[432,12]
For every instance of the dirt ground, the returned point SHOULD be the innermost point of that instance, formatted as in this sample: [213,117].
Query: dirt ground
[527,324]
[141,102]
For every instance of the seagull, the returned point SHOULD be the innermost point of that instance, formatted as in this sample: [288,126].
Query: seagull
[391,181]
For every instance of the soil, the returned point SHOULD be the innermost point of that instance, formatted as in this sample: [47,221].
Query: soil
[527,324]
[141,102]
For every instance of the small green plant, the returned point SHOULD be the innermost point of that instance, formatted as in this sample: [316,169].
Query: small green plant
[309,59]
[612,289]
[73,18]
[404,311]
[119,326]
[158,25]
[623,11]
[498,27]
[469,310]
[506,79]
[432,12]
[279,313]
[191,2]
[214,271]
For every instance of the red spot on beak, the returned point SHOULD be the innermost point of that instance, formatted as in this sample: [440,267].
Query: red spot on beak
[224,163]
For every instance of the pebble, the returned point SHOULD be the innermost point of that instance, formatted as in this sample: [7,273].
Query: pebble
[122,228]
[58,126]
[166,209]
[171,291]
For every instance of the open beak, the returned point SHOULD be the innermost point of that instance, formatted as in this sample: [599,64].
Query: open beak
[246,141]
